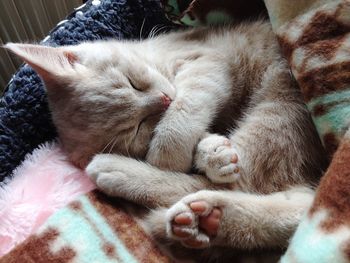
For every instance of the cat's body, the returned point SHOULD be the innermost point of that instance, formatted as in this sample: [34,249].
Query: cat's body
[157,99]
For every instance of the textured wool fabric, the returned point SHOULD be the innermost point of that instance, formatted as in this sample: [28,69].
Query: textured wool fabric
[24,116]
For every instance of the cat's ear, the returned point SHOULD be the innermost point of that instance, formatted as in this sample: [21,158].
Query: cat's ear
[49,62]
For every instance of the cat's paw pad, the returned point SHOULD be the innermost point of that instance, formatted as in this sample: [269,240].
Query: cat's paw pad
[218,158]
[193,222]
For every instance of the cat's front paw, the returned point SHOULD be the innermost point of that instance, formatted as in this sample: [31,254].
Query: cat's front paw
[218,159]
[101,163]
[109,173]
[194,220]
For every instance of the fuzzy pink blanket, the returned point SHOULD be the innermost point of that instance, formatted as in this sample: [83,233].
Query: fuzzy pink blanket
[42,184]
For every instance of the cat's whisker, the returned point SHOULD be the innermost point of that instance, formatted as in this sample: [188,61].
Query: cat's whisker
[160,29]
[151,33]
[114,142]
[110,141]
[154,31]
[143,23]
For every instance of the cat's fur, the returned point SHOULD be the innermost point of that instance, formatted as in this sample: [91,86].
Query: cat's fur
[113,96]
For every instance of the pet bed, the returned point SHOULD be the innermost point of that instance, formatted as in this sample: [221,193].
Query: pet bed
[314,37]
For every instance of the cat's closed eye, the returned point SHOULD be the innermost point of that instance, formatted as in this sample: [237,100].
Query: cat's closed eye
[132,84]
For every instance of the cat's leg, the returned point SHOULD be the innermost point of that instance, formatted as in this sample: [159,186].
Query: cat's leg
[233,219]
[200,93]
[274,145]
[218,159]
[140,182]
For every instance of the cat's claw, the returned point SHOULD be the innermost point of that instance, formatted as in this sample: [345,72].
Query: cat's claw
[218,158]
[193,222]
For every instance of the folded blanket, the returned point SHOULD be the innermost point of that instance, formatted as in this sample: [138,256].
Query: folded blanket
[93,228]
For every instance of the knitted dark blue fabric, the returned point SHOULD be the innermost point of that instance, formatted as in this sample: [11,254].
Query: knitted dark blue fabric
[24,117]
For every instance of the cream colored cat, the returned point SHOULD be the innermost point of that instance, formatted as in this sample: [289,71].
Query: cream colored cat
[219,99]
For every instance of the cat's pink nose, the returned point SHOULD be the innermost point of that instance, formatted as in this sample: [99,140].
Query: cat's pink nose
[166,101]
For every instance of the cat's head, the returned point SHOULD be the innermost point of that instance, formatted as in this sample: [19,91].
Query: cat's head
[103,96]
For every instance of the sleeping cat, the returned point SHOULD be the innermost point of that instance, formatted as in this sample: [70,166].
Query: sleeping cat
[220,100]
